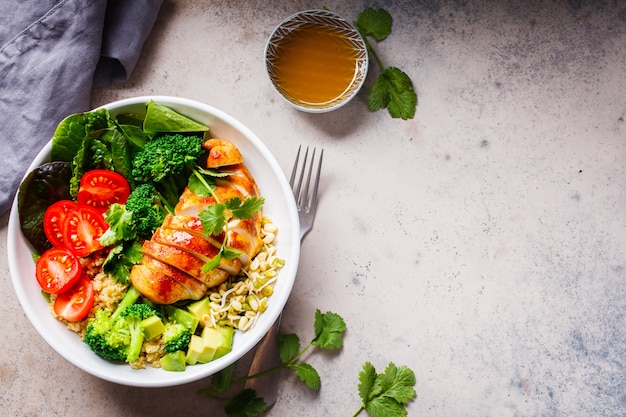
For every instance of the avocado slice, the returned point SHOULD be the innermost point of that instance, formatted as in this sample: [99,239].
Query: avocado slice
[213,343]
[218,340]
[152,327]
[174,361]
[200,308]
[183,317]
[196,346]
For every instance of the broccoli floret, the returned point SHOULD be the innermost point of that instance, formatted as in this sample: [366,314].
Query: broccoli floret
[167,162]
[133,315]
[176,337]
[147,210]
[109,336]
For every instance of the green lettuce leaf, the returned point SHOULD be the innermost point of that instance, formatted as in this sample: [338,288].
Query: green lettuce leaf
[160,118]
[70,133]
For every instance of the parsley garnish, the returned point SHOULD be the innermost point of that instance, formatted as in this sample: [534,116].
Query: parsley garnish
[382,395]
[393,88]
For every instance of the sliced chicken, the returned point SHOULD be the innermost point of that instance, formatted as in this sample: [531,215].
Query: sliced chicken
[221,153]
[239,179]
[186,262]
[195,287]
[158,287]
[244,236]
[196,246]
[192,225]
[171,269]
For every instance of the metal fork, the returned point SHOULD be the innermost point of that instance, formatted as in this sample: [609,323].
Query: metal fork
[266,356]
[306,203]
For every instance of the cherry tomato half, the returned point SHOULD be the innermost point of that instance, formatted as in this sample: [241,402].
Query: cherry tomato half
[75,303]
[100,188]
[57,270]
[53,221]
[82,228]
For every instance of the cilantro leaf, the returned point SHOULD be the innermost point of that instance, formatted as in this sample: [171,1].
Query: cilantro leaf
[215,216]
[385,407]
[197,186]
[245,209]
[398,80]
[397,383]
[221,381]
[386,394]
[245,404]
[212,263]
[393,89]
[233,203]
[121,259]
[308,375]
[214,173]
[213,219]
[120,225]
[288,346]
[402,105]
[380,96]
[366,381]
[230,254]
[329,328]
[374,23]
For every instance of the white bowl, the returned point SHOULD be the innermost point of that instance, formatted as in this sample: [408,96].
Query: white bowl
[279,206]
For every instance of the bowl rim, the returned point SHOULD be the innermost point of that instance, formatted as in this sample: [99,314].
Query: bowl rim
[362,69]
[195,372]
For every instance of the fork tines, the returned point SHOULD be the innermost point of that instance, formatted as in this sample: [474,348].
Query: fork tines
[299,186]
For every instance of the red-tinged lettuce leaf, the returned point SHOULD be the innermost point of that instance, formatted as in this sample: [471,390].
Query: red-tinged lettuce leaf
[42,187]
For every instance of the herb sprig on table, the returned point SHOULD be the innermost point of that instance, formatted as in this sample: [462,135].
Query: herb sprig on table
[382,395]
[393,88]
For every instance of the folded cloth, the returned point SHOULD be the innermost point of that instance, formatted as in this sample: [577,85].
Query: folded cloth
[52,52]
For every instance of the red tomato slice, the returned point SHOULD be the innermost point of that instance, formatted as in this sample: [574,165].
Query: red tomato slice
[100,188]
[53,221]
[81,230]
[57,270]
[75,304]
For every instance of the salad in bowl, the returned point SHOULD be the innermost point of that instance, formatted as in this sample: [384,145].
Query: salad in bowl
[153,241]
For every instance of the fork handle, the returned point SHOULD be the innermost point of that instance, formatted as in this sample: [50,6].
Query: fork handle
[266,357]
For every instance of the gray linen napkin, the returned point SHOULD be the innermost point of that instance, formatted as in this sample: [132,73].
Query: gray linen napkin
[52,52]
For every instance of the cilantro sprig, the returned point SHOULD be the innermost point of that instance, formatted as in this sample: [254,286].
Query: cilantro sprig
[329,329]
[393,88]
[215,217]
[382,395]
[385,394]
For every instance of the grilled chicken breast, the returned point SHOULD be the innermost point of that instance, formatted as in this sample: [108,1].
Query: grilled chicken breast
[171,269]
